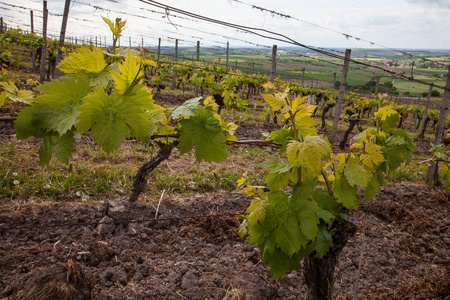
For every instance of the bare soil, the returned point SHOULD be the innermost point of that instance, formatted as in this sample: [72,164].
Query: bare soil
[120,250]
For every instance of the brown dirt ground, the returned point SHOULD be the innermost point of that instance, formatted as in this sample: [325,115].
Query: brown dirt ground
[406,254]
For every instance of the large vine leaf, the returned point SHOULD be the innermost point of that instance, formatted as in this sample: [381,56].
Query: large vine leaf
[188,109]
[280,263]
[276,103]
[84,62]
[355,173]
[305,209]
[308,153]
[113,118]
[282,137]
[323,242]
[205,132]
[57,107]
[276,166]
[276,181]
[27,126]
[346,193]
[395,151]
[61,145]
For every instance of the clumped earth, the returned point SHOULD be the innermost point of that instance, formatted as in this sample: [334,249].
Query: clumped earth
[190,249]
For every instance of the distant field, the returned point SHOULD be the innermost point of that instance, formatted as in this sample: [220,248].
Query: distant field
[313,67]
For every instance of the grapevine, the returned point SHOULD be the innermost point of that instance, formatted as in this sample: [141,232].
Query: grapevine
[310,189]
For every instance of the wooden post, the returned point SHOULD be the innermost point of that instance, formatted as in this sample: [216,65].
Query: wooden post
[62,36]
[235,66]
[129,41]
[198,58]
[175,59]
[334,81]
[227,54]
[96,44]
[273,70]
[159,50]
[1,24]
[253,68]
[303,77]
[340,99]
[425,112]
[32,21]
[198,50]
[433,168]
[44,46]
[33,50]
[377,85]
[142,43]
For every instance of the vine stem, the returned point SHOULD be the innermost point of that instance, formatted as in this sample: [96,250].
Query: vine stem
[366,208]
[330,189]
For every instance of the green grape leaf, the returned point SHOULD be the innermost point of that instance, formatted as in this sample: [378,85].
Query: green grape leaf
[305,126]
[345,193]
[281,224]
[188,109]
[373,155]
[410,146]
[275,102]
[282,137]
[305,210]
[84,62]
[323,242]
[57,107]
[280,263]
[327,202]
[61,145]
[203,131]
[309,153]
[355,173]
[113,118]
[26,125]
[390,122]
[276,181]
[372,189]
[257,209]
[276,166]
[130,73]
[395,151]
[329,208]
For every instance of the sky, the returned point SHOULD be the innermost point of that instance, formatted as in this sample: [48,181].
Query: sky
[396,24]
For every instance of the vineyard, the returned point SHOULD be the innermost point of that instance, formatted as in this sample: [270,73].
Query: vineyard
[132,176]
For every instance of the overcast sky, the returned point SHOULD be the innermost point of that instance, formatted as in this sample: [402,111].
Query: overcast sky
[395,24]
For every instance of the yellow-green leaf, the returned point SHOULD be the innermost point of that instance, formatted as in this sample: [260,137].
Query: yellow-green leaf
[130,73]
[84,61]
[373,155]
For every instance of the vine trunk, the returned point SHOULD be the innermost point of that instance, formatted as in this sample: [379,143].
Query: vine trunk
[140,181]
[319,273]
